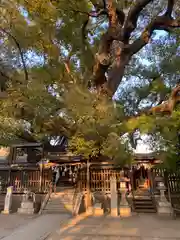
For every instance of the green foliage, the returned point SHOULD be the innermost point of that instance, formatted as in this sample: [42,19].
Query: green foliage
[96,126]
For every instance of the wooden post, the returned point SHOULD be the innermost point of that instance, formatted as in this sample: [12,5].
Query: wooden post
[9,176]
[88,197]
[41,176]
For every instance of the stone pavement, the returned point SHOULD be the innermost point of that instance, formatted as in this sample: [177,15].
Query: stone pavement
[142,226]
[8,223]
[37,227]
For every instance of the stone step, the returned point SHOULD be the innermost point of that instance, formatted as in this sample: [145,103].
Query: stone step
[56,200]
[144,206]
[143,203]
[55,205]
[55,209]
[55,212]
[142,196]
[145,210]
[59,198]
[59,202]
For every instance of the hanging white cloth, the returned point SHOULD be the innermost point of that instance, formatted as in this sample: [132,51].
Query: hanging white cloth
[57,175]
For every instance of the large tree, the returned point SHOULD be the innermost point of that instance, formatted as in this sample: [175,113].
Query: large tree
[50,47]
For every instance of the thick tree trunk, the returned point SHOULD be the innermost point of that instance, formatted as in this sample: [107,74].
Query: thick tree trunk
[116,73]
[106,76]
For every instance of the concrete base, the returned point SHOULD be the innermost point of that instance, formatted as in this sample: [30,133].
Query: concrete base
[164,209]
[25,211]
[98,212]
[27,205]
[89,210]
[125,212]
[114,212]
[6,212]
[26,208]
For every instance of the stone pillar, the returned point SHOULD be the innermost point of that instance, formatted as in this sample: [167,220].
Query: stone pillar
[164,207]
[8,201]
[114,204]
[125,209]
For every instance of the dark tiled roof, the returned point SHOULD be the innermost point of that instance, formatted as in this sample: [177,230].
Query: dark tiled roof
[139,156]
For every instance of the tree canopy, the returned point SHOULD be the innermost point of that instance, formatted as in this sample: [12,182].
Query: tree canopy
[62,61]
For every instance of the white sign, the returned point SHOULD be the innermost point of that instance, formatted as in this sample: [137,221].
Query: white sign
[8,201]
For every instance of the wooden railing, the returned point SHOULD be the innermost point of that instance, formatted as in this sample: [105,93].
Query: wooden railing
[99,179]
[47,197]
[31,179]
[173,184]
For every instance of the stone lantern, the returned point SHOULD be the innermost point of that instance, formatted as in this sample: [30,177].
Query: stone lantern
[125,209]
[27,204]
[158,180]
[163,206]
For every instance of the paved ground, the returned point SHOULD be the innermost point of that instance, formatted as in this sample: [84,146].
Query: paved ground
[18,227]
[140,227]
[8,223]
[144,227]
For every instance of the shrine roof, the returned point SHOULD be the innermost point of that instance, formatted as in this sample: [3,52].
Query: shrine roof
[145,156]
[25,144]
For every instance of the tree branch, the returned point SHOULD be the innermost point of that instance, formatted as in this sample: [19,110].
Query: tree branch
[103,56]
[131,21]
[4,75]
[169,8]
[165,108]
[159,23]
[93,14]
[20,52]
[163,22]
[168,106]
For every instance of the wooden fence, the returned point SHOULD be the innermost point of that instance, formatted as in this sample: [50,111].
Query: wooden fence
[174,182]
[171,178]
[32,179]
[99,180]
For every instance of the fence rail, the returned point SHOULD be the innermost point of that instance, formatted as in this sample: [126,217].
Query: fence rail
[99,180]
[34,180]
